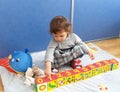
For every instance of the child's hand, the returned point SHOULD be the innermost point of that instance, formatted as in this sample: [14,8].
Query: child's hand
[48,69]
[91,56]
[47,72]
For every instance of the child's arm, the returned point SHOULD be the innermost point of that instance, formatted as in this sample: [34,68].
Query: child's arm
[49,57]
[91,55]
[48,68]
[84,47]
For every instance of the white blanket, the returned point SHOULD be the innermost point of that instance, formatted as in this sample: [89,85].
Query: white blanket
[106,82]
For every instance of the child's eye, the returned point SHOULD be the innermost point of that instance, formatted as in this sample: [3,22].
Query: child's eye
[62,36]
[56,36]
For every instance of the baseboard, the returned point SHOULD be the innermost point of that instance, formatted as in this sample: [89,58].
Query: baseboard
[103,39]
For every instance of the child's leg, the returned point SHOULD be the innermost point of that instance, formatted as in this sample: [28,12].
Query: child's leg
[63,57]
[76,63]
[77,54]
[60,58]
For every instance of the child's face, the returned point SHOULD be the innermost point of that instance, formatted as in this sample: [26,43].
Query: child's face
[60,36]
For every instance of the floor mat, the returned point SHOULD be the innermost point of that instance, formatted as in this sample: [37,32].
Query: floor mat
[107,82]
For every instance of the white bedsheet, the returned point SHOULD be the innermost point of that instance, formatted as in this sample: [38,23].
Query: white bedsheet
[109,80]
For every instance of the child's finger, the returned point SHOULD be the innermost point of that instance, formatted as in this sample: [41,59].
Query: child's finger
[50,77]
[92,57]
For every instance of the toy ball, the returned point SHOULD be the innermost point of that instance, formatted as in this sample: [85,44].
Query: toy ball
[20,61]
[76,63]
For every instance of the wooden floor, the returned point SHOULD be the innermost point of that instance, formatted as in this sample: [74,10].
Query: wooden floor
[1,85]
[110,45]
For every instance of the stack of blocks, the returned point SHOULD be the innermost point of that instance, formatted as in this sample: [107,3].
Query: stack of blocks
[45,84]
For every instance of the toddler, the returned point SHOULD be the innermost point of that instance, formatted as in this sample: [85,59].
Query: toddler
[65,47]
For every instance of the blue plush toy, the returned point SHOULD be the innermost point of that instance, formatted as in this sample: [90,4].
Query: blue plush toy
[20,61]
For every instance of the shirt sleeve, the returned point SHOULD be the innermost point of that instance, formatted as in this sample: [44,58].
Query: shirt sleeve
[83,46]
[49,55]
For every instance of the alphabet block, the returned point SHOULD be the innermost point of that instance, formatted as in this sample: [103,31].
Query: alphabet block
[46,84]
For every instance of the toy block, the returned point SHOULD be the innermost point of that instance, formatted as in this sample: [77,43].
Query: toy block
[41,84]
[103,67]
[77,70]
[46,84]
[40,80]
[114,64]
[52,82]
[78,77]
[52,85]
[42,87]
[69,76]
[78,74]
[94,70]
[87,72]
[61,79]
[107,66]
[99,67]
